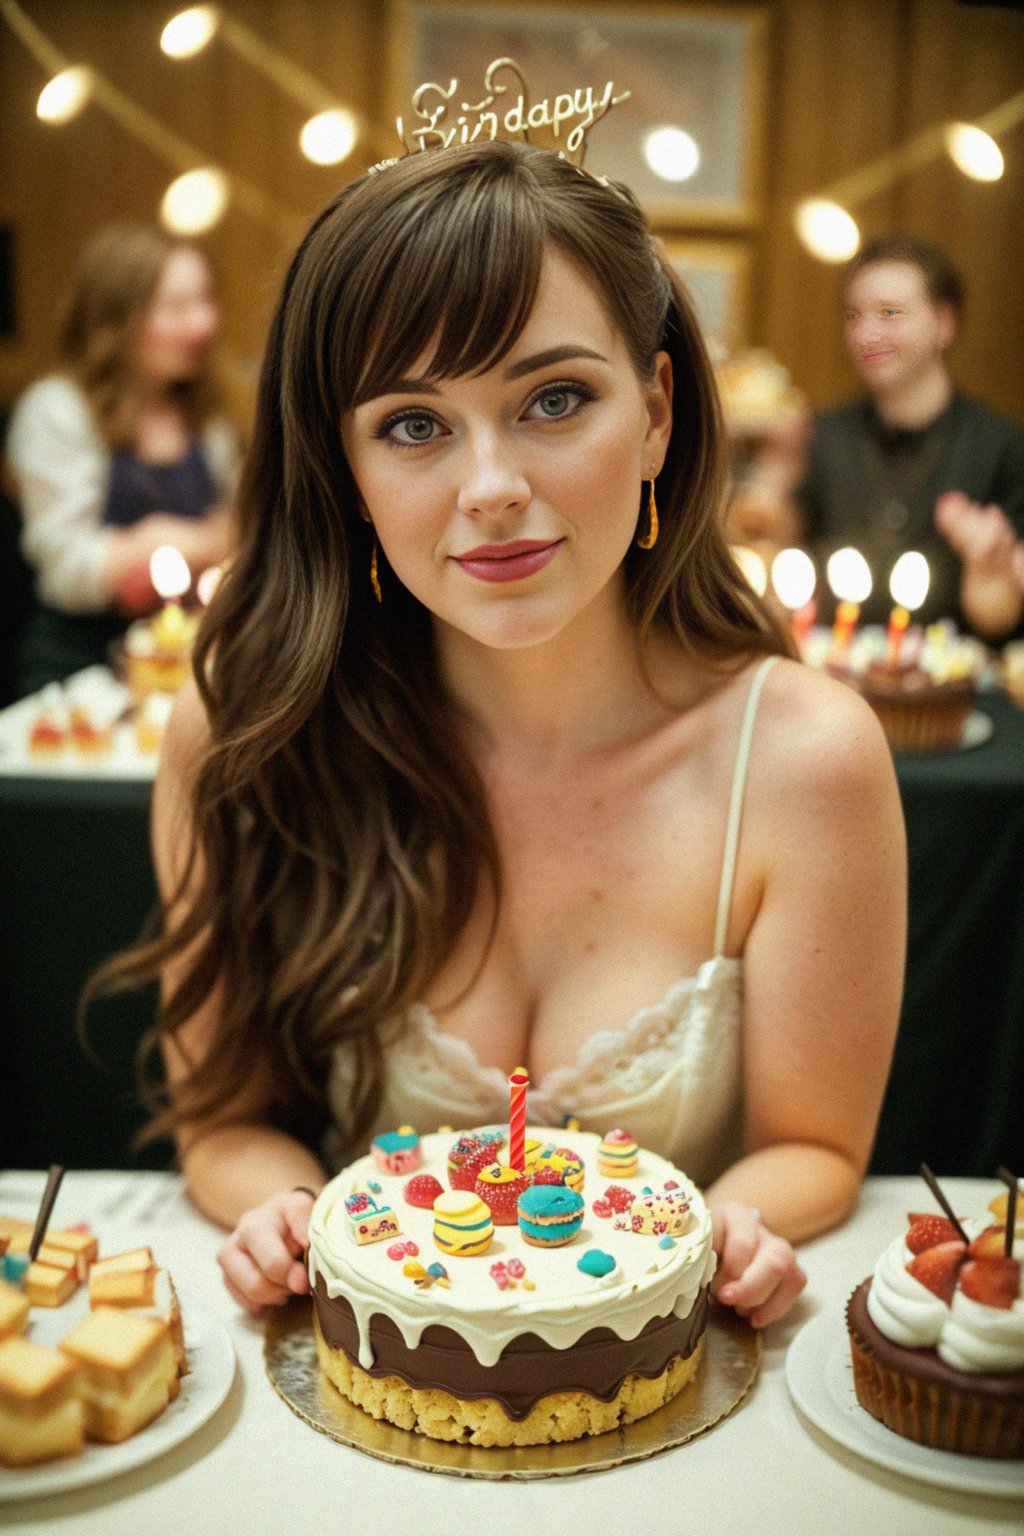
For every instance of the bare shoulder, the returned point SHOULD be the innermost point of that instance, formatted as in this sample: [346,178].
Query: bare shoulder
[817,735]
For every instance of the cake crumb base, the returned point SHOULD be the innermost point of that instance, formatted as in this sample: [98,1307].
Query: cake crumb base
[483,1421]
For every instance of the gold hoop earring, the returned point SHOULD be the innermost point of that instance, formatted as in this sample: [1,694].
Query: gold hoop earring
[650,538]
[374,578]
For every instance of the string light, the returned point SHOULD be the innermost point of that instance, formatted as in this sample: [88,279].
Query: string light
[65,95]
[329,137]
[188,33]
[827,230]
[195,201]
[974,152]
[671,153]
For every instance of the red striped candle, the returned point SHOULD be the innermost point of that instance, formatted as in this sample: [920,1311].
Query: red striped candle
[517,1086]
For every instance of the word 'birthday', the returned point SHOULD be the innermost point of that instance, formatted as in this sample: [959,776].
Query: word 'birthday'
[581,108]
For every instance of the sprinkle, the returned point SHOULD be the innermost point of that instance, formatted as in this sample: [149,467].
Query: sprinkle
[666,1241]
[396,1251]
[529,1285]
[411,1250]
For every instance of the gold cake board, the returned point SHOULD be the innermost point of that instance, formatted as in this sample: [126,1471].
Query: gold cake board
[732,1356]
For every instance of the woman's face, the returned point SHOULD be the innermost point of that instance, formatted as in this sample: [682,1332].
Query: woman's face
[506,502]
[178,328]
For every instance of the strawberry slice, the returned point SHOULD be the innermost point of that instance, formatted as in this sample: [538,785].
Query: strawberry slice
[995,1282]
[990,1244]
[928,1232]
[936,1268]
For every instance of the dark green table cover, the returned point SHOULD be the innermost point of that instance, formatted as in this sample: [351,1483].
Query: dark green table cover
[76,884]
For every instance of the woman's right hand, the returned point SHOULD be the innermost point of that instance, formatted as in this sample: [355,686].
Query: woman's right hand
[263,1260]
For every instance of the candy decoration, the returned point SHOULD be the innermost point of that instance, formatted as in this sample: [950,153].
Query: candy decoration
[666,1241]
[462,1224]
[563,1160]
[620,1198]
[545,1174]
[368,1222]
[618,1155]
[656,1215]
[397,1151]
[595,1262]
[422,1190]
[518,1083]
[500,1186]
[471,1153]
[550,1215]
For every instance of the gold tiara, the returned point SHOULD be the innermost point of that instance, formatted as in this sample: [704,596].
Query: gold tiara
[573,113]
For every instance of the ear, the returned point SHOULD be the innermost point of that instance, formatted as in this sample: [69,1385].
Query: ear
[659,412]
[949,324]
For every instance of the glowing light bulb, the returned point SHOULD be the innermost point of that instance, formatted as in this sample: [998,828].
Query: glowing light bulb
[65,95]
[849,575]
[974,152]
[909,580]
[329,137]
[752,566]
[793,577]
[671,153]
[827,230]
[188,33]
[169,572]
[195,201]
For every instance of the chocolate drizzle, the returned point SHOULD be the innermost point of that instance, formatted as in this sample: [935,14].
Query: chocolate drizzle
[527,1369]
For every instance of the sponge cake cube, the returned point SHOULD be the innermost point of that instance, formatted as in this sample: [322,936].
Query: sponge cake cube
[40,1413]
[128,1371]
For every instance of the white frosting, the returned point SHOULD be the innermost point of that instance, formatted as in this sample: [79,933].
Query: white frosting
[968,1335]
[648,1281]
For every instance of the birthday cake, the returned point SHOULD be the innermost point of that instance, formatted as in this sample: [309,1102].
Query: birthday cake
[157,651]
[937,1336]
[499,1303]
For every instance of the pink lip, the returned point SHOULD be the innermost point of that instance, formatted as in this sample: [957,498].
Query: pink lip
[511,561]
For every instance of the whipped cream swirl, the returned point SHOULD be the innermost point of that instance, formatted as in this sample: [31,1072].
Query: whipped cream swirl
[968,1336]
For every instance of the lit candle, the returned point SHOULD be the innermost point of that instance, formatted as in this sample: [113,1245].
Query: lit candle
[908,585]
[752,566]
[794,579]
[171,578]
[849,577]
[517,1086]
[207,583]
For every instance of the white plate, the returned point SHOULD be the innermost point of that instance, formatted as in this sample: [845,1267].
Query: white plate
[820,1380]
[211,1358]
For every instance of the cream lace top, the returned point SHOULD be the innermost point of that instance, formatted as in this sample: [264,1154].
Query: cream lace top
[671,1076]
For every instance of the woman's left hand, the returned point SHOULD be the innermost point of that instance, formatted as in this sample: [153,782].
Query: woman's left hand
[758,1275]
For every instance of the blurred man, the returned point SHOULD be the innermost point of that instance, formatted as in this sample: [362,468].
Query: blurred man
[915,464]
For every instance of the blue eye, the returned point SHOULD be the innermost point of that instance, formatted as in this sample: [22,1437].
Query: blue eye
[409,429]
[556,402]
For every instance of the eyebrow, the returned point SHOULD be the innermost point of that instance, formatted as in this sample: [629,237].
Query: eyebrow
[563,354]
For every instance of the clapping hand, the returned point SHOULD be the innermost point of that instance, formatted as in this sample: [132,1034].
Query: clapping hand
[983,537]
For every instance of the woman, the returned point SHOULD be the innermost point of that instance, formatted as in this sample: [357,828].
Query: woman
[124,450]
[468,714]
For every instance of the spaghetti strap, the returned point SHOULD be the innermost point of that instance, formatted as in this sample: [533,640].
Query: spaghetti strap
[739,780]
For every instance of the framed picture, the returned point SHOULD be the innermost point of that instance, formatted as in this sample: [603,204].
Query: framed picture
[687,139]
[717,275]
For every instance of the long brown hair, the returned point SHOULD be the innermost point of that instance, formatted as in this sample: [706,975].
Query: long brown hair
[342,829]
[114,284]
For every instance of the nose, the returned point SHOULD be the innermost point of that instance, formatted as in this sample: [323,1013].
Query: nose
[492,482]
[863,332]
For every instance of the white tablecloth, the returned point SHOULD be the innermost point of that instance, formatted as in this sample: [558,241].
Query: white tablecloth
[256,1468]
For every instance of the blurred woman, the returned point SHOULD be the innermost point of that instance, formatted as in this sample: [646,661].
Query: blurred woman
[125,449]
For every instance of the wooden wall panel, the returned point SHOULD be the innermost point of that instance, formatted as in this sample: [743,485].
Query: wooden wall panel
[848,80]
